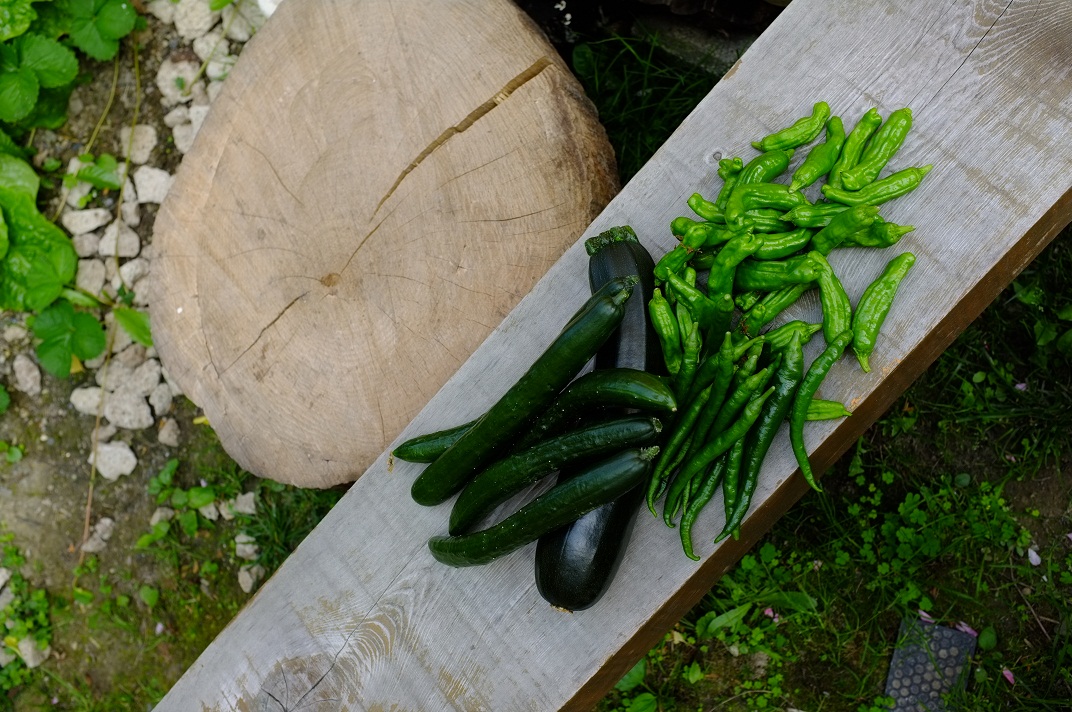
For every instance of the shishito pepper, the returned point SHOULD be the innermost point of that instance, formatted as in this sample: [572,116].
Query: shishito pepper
[802,131]
[854,146]
[880,149]
[892,186]
[814,377]
[874,305]
[842,225]
[822,158]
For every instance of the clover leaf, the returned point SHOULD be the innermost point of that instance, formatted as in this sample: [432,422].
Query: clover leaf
[98,25]
[65,332]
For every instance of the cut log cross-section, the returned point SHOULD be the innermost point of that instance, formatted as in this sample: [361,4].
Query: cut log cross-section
[375,188]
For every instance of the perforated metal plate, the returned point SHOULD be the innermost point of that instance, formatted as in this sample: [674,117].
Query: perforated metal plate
[930,661]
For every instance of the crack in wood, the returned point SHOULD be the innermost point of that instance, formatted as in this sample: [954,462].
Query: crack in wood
[264,329]
[971,51]
[475,115]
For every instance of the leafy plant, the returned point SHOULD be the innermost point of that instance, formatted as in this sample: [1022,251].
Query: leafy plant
[27,616]
[96,26]
[28,64]
[66,334]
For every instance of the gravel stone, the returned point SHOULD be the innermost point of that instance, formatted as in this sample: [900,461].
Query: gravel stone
[132,356]
[248,576]
[6,656]
[126,408]
[112,375]
[245,503]
[241,19]
[86,400]
[209,511]
[90,276]
[7,597]
[119,240]
[218,69]
[183,137]
[130,213]
[211,45]
[14,333]
[5,576]
[131,271]
[169,432]
[161,514]
[178,115]
[193,18]
[99,536]
[31,654]
[197,116]
[174,79]
[140,140]
[160,399]
[214,89]
[113,460]
[145,378]
[175,390]
[246,547]
[152,184]
[79,222]
[86,245]
[27,375]
[163,10]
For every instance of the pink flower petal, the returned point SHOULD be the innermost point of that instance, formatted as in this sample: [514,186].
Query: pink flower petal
[965,628]
[1007,673]
[769,612]
[1033,557]
[925,617]
[1020,386]
[1069,535]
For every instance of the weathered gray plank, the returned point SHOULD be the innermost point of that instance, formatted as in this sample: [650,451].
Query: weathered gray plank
[360,617]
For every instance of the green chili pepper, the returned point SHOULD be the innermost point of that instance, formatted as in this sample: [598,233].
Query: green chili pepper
[885,142]
[808,387]
[814,215]
[837,310]
[705,311]
[664,322]
[747,300]
[724,441]
[822,158]
[676,440]
[879,234]
[854,146]
[779,339]
[819,409]
[705,208]
[875,304]
[728,170]
[768,275]
[746,388]
[717,368]
[757,196]
[772,304]
[765,167]
[765,220]
[783,244]
[758,441]
[892,186]
[709,485]
[802,131]
[731,480]
[690,357]
[672,262]
[853,220]
[740,246]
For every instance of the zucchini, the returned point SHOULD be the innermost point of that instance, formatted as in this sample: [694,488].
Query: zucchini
[598,484]
[494,431]
[512,474]
[576,563]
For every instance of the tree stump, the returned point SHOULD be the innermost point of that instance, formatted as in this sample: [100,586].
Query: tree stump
[376,187]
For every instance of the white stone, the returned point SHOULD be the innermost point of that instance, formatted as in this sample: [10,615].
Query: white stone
[77,194]
[246,547]
[175,390]
[5,576]
[130,213]
[161,514]
[197,116]
[163,10]
[131,271]
[90,276]
[193,18]
[119,240]
[153,184]
[31,654]
[160,399]
[86,400]
[268,6]
[113,460]
[79,222]
[183,137]
[7,597]
[6,656]
[248,576]
[27,375]
[131,357]
[169,432]
[241,19]
[86,245]
[99,536]
[245,503]
[209,511]
[126,408]
[13,333]
[145,378]
[214,89]
[137,142]
[175,80]
[178,115]
[113,374]
[105,432]
[211,45]
[218,69]
[142,293]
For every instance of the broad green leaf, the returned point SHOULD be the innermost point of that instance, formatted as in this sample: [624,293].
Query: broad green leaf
[15,18]
[3,236]
[1064,344]
[9,147]
[711,622]
[217,5]
[40,259]
[89,339]
[167,472]
[86,37]
[148,595]
[5,400]
[80,299]
[115,18]
[135,323]
[101,173]
[188,522]
[17,174]
[13,454]
[197,497]
[644,702]
[54,64]
[81,595]
[98,25]
[179,499]
[64,332]
[988,638]
[18,93]
[634,677]
[52,21]
[50,111]
[792,600]
[159,531]
[1065,313]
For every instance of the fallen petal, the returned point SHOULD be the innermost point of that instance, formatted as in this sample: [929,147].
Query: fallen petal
[965,628]
[1007,673]
[925,617]
[1069,535]
[1033,557]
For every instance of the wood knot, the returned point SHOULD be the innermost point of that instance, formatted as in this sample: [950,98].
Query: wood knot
[330,279]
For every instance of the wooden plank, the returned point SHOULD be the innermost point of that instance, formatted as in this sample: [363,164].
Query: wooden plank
[361,617]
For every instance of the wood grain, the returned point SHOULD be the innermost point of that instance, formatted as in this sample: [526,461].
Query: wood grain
[991,87]
[376,187]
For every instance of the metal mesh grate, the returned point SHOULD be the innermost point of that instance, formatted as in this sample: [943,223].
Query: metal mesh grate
[929,662]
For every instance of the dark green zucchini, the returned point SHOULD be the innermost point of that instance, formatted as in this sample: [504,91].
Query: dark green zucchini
[598,484]
[495,431]
[512,474]
[576,563]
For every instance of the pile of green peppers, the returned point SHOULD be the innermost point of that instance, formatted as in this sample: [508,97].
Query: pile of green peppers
[751,252]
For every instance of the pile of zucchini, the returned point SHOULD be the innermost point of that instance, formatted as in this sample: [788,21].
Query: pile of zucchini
[597,432]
